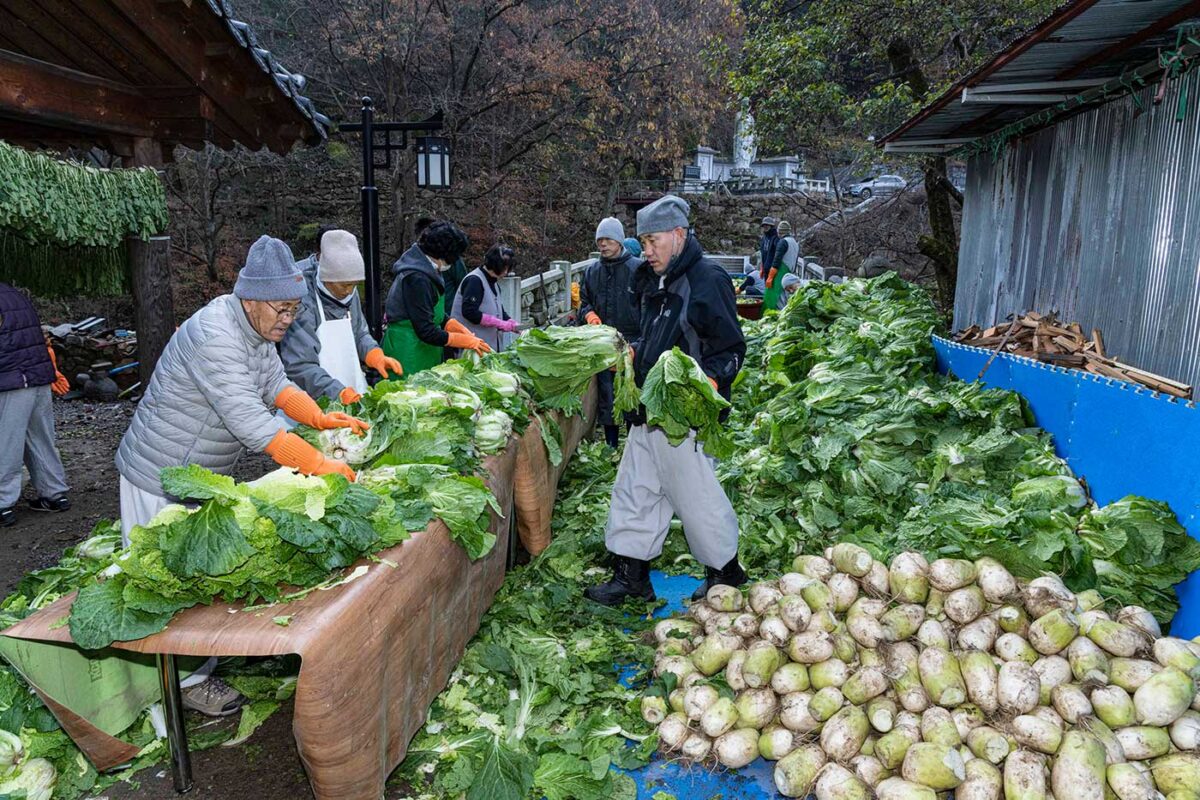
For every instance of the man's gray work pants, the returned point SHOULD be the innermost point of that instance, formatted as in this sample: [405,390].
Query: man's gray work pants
[657,481]
[27,438]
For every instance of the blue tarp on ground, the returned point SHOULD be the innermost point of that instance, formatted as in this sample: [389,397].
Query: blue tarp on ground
[1122,438]
[755,782]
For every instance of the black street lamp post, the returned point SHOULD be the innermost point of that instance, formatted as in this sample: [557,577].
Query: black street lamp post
[433,172]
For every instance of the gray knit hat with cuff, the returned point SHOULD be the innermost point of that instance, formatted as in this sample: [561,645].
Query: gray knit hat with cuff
[610,228]
[270,273]
[665,214]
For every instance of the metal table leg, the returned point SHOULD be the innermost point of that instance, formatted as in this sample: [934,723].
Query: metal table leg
[181,760]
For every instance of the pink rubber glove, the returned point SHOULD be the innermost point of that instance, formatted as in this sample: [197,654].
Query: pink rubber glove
[506,325]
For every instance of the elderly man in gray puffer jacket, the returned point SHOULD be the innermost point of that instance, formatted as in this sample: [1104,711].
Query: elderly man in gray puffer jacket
[212,397]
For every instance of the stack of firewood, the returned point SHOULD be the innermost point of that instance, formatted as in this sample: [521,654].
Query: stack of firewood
[1043,337]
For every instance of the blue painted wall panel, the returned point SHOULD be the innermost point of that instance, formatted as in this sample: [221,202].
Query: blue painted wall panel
[1122,438]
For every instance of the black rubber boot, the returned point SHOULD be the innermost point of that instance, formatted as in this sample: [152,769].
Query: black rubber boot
[612,435]
[631,578]
[731,574]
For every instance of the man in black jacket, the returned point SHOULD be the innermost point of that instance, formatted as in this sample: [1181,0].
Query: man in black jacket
[685,300]
[606,298]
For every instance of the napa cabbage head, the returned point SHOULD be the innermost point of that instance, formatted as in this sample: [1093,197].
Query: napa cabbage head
[11,751]
[36,778]
[492,431]
[504,383]
[291,491]
[345,445]
[1050,492]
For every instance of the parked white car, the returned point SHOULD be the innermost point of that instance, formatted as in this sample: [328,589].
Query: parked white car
[884,184]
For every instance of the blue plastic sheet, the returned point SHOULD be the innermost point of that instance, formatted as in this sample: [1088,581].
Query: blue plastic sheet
[1122,438]
[754,782]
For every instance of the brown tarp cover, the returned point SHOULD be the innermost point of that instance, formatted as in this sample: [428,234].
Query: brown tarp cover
[375,651]
[536,481]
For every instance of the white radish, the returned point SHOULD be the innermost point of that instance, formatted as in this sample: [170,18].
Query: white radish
[997,583]
[982,679]
[673,730]
[737,748]
[948,574]
[1018,688]
[1079,768]
[796,772]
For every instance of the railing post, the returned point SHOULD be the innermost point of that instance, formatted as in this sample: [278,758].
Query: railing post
[510,297]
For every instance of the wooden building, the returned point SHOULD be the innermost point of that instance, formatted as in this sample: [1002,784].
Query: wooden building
[138,78]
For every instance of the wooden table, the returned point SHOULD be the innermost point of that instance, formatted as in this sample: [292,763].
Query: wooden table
[374,652]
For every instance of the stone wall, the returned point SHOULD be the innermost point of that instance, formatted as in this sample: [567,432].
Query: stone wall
[730,224]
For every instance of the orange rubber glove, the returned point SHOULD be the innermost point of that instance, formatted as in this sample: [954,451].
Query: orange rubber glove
[454,326]
[61,385]
[302,408]
[593,318]
[289,450]
[376,360]
[348,396]
[771,278]
[468,341]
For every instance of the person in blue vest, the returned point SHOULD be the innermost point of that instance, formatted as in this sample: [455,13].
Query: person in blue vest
[28,376]
[477,304]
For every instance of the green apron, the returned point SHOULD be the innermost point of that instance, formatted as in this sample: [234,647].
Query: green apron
[771,296]
[401,343]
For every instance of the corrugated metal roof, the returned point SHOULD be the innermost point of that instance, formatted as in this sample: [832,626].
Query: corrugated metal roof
[1117,35]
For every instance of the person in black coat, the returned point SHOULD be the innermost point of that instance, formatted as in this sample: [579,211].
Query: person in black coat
[606,298]
[685,300]
[28,375]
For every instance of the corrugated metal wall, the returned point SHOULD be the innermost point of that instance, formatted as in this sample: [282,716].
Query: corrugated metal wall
[1097,218]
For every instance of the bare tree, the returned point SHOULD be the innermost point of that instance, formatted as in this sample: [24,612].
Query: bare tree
[199,181]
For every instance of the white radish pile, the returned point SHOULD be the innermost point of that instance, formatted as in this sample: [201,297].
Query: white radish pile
[907,682]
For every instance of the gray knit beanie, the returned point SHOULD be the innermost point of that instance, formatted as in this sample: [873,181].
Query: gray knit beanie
[270,273]
[665,214]
[610,228]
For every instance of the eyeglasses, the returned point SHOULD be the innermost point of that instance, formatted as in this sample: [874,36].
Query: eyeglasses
[290,311]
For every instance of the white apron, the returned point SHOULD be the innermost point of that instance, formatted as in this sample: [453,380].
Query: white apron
[338,353]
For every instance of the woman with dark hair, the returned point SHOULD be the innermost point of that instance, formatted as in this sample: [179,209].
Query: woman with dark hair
[477,304]
[416,303]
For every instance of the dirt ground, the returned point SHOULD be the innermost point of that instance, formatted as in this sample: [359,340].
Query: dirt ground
[267,767]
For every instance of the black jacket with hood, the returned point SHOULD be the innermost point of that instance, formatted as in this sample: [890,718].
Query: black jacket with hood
[607,289]
[691,307]
[415,291]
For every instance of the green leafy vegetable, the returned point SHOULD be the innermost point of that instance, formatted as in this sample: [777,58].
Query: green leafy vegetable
[679,398]
[100,616]
[844,430]
[559,362]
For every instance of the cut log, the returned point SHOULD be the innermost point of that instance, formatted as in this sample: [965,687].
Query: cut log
[1045,338]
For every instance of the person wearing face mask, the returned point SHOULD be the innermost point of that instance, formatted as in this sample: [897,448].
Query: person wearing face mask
[685,300]
[416,302]
[477,302]
[211,398]
[322,349]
